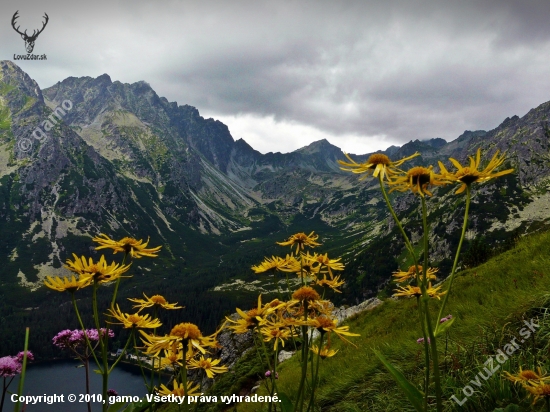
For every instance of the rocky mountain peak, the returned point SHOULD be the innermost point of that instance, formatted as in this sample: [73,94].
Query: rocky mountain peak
[436,142]
[319,146]
[12,77]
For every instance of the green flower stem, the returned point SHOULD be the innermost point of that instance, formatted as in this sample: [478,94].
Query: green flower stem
[293,336]
[435,357]
[23,370]
[426,299]
[312,371]
[315,376]
[273,379]
[118,282]
[288,286]
[396,219]
[264,349]
[139,362]
[4,390]
[426,245]
[86,362]
[155,314]
[103,346]
[452,275]
[426,351]
[300,400]
[85,334]
[257,348]
[183,374]
[95,312]
[123,350]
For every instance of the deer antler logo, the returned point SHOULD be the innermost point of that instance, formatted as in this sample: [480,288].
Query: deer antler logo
[29,40]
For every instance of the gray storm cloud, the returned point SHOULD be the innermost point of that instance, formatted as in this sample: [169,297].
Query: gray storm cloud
[403,70]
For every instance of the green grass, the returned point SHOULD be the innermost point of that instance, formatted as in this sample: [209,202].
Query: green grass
[488,302]
[5,120]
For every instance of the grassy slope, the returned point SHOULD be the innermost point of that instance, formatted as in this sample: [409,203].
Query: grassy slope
[488,301]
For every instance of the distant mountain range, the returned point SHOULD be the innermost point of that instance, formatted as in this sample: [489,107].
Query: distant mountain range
[124,161]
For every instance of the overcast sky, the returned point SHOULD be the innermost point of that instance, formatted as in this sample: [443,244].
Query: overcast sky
[282,74]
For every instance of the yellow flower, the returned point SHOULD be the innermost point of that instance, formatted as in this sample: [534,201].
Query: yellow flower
[277,331]
[247,321]
[254,317]
[469,174]
[328,264]
[208,365]
[171,358]
[324,353]
[301,240]
[401,276]
[275,263]
[377,164]
[179,390]
[307,265]
[538,390]
[325,324]
[334,283]
[129,245]
[64,284]
[324,307]
[527,375]
[133,320]
[305,293]
[417,181]
[155,300]
[184,333]
[99,272]
[410,291]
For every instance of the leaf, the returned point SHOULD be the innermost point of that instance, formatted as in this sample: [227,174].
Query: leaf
[413,394]
[286,403]
[441,328]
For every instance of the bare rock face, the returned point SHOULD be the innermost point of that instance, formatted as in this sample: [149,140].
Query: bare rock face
[284,355]
[344,313]
[233,345]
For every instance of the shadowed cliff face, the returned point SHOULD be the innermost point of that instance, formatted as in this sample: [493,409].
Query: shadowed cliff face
[125,161]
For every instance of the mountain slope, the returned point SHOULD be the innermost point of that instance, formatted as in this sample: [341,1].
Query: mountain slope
[126,162]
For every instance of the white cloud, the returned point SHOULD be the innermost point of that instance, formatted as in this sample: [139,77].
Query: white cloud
[266,134]
[345,71]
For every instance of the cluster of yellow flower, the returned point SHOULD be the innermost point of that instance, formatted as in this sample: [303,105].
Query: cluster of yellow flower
[304,311]
[279,321]
[183,348]
[305,265]
[536,383]
[100,272]
[420,180]
[414,273]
